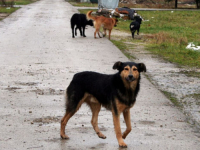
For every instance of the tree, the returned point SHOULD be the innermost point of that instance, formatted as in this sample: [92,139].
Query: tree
[197,4]
[3,2]
[176,3]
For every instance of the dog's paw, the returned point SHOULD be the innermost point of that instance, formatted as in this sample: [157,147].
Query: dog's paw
[102,136]
[122,145]
[64,136]
[123,136]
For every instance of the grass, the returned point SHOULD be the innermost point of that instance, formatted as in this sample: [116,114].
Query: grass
[19,2]
[170,34]
[123,47]
[24,2]
[167,33]
[79,4]
[173,99]
[7,10]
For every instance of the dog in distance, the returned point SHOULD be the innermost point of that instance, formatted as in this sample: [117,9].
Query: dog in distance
[101,21]
[135,25]
[80,21]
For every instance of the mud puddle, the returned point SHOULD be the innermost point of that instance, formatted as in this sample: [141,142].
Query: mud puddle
[46,120]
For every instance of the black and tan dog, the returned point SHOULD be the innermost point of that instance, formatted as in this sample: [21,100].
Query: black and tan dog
[116,92]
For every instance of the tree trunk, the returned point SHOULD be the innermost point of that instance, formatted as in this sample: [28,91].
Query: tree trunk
[176,3]
[3,2]
[197,4]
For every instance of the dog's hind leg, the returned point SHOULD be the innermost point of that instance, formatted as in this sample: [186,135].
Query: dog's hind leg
[77,27]
[99,34]
[72,26]
[64,121]
[138,31]
[127,119]
[96,31]
[133,32]
[95,108]
[71,109]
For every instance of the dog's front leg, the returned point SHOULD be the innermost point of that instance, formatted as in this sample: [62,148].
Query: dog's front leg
[116,120]
[127,119]
[138,31]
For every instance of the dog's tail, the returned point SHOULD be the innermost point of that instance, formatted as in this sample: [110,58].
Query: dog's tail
[89,16]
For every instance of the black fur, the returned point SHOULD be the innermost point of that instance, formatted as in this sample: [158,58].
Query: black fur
[105,88]
[135,25]
[80,21]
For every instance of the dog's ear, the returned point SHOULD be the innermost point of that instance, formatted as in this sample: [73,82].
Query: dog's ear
[142,67]
[117,65]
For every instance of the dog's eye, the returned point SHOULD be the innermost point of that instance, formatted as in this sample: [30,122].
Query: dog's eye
[134,69]
[125,68]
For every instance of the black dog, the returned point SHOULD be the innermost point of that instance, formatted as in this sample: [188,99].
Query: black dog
[80,21]
[116,92]
[135,25]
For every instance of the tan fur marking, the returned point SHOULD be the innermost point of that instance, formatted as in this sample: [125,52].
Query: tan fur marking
[116,120]
[63,124]
[95,108]
[68,115]
[130,71]
[136,74]
[127,119]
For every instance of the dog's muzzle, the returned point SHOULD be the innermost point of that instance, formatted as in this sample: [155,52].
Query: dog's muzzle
[130,78]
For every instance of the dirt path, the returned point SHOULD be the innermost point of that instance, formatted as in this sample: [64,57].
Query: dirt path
[38,59]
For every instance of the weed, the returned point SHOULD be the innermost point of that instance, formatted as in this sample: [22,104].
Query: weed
[173,98]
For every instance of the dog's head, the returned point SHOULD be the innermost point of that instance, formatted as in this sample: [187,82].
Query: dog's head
[90,22]
[129,71]
[115,24]
[138,19]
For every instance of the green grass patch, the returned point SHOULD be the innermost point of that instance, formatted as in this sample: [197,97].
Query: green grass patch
[171,31]
[79,4]
[191,73]
[7,10]
[173,99]
[167,33]
[18,2]
[24,2]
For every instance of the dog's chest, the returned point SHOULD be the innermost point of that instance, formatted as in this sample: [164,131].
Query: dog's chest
[128,98]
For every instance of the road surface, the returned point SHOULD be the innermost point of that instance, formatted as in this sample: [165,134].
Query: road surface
[38,59]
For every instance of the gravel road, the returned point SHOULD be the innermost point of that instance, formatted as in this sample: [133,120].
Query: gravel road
[38,60]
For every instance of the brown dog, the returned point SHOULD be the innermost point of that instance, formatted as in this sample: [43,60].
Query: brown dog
[106,23]
[116,92]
